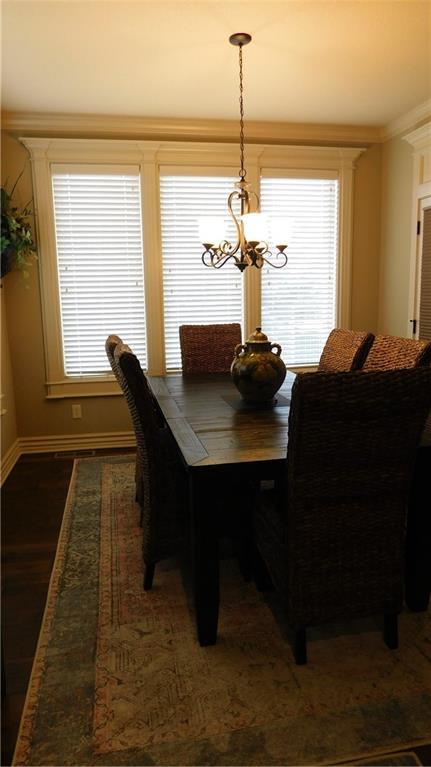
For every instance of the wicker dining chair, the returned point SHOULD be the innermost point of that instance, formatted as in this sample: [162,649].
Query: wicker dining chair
[110,345]
[345,350]
[163,491]
[208,348]
[333,538]
[389,352]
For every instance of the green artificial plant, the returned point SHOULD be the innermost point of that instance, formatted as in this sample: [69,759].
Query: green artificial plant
[18,248]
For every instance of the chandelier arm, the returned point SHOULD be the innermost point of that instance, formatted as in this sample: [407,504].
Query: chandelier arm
[257,255]
[252,193]
[227,249]
[233,196]
[270,263]
[213,259]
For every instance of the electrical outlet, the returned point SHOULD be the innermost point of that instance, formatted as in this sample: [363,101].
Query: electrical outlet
[76,411]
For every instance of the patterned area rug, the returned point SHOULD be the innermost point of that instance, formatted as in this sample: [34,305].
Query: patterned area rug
[119,678]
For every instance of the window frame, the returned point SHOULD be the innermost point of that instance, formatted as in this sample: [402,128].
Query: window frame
[195,172]
[73,169]
[331,175]
[153,158]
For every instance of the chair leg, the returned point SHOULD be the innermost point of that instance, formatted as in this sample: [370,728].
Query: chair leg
[300,646]
[148,576]
[3,672]
[244,563]
[390,630]
[244,544]
[261,574]
[242,501]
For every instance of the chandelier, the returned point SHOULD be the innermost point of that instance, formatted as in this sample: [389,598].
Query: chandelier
[250,248]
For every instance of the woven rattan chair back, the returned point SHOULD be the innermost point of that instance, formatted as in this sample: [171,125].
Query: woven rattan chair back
[111,344]
[208,348]
[338,547]
[390,352]
[345,350]
[164,485]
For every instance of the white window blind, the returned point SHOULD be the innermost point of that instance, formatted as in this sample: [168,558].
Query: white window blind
[299,301]
[192,292]
[425,293]
[100,266]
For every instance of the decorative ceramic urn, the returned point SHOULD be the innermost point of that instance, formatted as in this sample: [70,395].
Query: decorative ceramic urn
[257,371]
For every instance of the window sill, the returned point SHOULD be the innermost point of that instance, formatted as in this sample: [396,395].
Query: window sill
[93,386]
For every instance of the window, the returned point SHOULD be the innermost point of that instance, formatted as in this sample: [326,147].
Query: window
[100,265]
[192,292]
[299,301]
[119,250]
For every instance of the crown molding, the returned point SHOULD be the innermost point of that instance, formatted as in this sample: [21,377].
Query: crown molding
[407,121]
[419,139]
[183,129]
[173,153]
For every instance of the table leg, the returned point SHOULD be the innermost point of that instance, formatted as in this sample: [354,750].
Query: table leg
[205,554]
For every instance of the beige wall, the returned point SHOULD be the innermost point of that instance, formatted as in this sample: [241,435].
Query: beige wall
[366,240]
[9,430]
[397,180]
[39,417]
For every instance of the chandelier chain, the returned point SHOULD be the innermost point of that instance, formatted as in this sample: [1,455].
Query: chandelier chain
[242,171]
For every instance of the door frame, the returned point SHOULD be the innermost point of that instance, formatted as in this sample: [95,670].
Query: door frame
[420,140]
[423,204]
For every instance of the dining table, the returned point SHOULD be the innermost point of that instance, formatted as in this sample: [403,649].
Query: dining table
[223,441]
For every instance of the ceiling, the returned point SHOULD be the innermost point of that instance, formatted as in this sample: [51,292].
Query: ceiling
[353,63]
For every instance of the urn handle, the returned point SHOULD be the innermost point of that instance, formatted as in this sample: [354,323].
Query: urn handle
[278,347]
[239,348]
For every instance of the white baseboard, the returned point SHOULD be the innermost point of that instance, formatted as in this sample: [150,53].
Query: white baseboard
[60,442]
[9,460]
[63,442]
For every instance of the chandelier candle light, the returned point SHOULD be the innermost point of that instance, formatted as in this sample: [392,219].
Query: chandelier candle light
[250,248]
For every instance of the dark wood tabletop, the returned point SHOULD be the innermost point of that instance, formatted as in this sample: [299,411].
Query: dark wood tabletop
[214,427]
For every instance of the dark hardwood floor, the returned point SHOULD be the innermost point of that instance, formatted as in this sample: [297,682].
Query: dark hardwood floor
[33,499]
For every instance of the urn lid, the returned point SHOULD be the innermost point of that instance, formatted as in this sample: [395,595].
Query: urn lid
[258,341]
[257,337]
